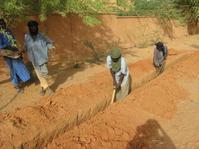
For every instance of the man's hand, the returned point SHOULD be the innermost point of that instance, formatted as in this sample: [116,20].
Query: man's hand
[52,47]
[118,87]
[114,84]
[21,51]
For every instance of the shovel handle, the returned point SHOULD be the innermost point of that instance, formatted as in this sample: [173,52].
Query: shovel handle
[113,96]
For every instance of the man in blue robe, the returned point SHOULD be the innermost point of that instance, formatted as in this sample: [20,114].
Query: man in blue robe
[18,70]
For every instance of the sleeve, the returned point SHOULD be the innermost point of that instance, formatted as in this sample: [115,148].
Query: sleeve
[108,62]
[123,66]
[165,51]
[3,41]
[11,40]
[25,41]
[48,41]
[155,61]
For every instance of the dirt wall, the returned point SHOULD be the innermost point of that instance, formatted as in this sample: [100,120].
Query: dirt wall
[34,126]
[75,41]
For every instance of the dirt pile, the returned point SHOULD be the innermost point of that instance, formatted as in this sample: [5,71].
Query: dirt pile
[27,124]
[136,122]
[35,126]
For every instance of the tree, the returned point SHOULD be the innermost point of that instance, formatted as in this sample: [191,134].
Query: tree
[190,8]
[87,9]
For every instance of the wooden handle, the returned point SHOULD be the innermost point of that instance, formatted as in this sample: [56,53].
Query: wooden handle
[113,96]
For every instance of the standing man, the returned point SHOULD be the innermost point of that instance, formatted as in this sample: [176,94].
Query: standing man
[119,72]
[159,57]
[37,45]
[13,58]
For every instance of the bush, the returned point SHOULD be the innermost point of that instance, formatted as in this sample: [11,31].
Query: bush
[158,8]
[87,9]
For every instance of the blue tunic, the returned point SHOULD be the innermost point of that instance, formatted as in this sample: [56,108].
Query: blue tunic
[18,70]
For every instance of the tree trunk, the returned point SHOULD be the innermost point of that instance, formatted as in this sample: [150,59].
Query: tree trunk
[193,27]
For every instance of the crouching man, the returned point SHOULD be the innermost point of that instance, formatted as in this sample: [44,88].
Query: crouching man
[159,57]
[119,72]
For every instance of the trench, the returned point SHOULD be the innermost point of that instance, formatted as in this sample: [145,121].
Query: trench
[41,139]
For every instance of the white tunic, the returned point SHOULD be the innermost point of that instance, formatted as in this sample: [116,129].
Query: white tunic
[124,70]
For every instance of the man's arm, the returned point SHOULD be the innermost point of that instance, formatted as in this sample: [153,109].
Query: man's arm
[23,49]
[123,72]
[113,77]
[156,61]
[121,79]
[48,41]
[165,52]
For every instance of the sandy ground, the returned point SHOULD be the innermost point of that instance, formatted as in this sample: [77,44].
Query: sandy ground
[65,75]
[27,124]
[161,114]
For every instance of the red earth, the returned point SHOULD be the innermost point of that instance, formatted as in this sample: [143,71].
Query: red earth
[150,117]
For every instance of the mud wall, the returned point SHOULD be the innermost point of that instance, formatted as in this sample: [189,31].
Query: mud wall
[75,41]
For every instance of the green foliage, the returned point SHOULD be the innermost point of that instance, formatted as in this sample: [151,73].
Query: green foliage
[87,9]
[177,9]
[9,37]
[190,8]
[91,20]
[10,9]
[122,3]
[158,8]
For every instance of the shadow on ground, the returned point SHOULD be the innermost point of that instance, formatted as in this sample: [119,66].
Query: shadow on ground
[150,136]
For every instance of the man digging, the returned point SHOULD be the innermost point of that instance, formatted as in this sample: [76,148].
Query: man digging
[120,73]
[159,57]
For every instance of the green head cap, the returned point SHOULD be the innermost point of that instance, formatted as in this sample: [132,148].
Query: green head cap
[115,53]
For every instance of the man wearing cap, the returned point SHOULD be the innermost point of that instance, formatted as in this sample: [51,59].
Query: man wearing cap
[119,72]
[159,57]
[37,45]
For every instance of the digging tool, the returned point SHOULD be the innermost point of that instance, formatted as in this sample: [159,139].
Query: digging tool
[113,95]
